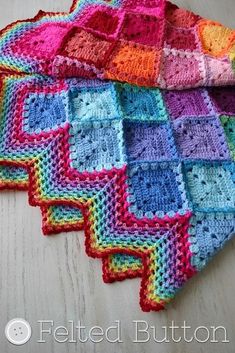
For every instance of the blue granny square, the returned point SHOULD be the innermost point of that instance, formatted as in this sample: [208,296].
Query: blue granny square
[149,141]
[94,142]
[92,104]
[208,234]
[156,189]
[141,103]
[44,112]
[211,186]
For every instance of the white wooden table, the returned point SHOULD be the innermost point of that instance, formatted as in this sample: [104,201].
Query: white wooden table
[52,278]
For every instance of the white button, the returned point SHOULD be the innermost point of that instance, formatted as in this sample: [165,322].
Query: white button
[18,331]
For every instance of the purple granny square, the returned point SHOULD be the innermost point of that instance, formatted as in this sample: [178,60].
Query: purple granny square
[149,141]
[187,103]
[223,99]
[201,139]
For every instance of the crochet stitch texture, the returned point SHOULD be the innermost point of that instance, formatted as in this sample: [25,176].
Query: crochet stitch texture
[148,173]
[151,43]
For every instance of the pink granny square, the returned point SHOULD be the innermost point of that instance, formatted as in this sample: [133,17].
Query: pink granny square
[181,70]
[41,42]
[220,71]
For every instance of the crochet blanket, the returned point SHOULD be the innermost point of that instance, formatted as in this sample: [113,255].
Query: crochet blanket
[148,43]
[151,170]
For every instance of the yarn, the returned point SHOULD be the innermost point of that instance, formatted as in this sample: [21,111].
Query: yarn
[147,172]
[148,43]
[127,169]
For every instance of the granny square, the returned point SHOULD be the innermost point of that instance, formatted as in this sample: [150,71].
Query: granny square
[224,100]
[43,112]
[201,139]
[141,103]
[156,189]
[219,71]
[228,124]
[105,20]
[211,186]
[149,141]
[188,103]
[94,104]
[151,172]
[182,69]
[86,47]
[143,29]
[135,64]
[208,234]
[42,41]
[181,38]
[154,7]
[93,142]
[179,17]
[215,38]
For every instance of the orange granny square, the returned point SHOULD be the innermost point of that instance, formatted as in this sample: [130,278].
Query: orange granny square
[134,63]
[216,39]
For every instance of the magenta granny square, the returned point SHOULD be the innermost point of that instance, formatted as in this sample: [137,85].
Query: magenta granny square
[188,103]
[154,7]
[224,100]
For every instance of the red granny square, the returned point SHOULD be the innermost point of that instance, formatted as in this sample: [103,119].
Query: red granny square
[86,47]
[143,29]
[105,20]
[181,38]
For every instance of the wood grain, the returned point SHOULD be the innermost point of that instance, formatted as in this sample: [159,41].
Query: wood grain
[52,278]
